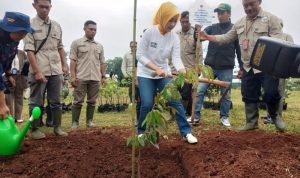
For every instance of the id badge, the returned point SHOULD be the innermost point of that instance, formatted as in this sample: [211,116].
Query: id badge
[245,44]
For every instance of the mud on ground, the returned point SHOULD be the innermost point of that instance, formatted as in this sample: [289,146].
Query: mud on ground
[102,152]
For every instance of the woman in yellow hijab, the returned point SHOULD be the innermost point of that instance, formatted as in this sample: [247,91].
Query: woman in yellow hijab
[158,44]
[166,17]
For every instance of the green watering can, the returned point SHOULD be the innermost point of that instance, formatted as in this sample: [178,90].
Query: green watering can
[10,136]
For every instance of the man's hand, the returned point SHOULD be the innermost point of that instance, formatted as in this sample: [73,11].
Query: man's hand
[103,81]
[203,35]
[40,77]
[65,70]
[74,82]
[11,81]
[240,74]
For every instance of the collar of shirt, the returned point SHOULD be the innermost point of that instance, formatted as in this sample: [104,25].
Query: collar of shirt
[260,14]
[190,31]
[41,21]
[225,24]
[88,40]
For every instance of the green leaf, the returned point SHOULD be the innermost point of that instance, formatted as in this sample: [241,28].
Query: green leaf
[129,140]
[141,141]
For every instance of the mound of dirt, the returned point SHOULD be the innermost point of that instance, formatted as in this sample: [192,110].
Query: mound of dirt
[102,152]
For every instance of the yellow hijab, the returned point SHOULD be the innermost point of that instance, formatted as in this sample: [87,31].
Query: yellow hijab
[165,12]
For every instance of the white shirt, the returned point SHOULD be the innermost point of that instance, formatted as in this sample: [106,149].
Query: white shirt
[16,63]
[127,64]
[157,48]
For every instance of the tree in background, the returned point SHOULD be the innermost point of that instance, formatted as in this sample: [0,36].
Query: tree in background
[114,65]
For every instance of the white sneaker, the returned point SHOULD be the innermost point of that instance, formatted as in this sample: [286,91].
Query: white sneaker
[189,119]
[190,138]
[225,121]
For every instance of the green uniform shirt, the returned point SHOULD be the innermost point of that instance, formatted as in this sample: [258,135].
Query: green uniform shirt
[265,24]
[89,55]
[48,58]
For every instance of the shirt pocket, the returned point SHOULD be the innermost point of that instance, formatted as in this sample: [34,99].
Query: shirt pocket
[240,31]
[56,34]
[82,52]
[262,30]
[98,54]
[39,35]
[190,46]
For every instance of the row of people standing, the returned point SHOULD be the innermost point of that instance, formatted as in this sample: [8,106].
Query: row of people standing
[47,66]
[226,39]
[46,55]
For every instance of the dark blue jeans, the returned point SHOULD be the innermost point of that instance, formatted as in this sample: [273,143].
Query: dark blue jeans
[252,84]
[223,75]
[148,89]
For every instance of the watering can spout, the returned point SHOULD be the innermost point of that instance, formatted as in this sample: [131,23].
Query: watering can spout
[36,112]
[10,136]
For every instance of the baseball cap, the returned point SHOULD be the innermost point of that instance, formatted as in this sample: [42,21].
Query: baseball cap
[15,22]
[223,7]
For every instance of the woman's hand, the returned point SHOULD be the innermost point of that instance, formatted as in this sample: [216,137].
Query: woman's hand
[160,72]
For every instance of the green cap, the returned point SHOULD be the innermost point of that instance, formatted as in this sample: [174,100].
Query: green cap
[223,7]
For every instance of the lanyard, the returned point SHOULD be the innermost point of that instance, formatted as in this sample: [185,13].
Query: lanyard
[248,29]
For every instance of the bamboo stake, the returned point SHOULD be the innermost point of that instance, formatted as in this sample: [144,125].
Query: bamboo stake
[133,47]
[195,86]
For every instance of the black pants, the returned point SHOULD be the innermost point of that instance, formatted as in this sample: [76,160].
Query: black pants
[252,85]
[137,99]
[187,100]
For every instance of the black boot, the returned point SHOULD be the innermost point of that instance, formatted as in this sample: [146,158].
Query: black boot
[273,110]
[251,117]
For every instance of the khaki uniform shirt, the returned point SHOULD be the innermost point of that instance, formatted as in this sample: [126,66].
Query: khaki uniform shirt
[127,65]
[188,49]
[48,58]
[287,37]
[265,24]
[89,55]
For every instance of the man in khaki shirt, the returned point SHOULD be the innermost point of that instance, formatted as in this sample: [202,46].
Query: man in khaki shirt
[47,65]
[248,29]
[188,57]
[87,70]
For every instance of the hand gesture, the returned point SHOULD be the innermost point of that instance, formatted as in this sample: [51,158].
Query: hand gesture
[40,77]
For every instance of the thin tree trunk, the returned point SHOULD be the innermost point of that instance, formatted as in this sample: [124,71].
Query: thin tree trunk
[133,111]
[197,68]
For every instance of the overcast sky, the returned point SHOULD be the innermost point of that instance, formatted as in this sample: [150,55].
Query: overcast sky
[115,17]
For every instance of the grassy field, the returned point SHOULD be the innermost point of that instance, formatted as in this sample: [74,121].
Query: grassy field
[210,118]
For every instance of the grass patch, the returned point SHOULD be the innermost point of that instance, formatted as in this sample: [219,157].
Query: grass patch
[209,119]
